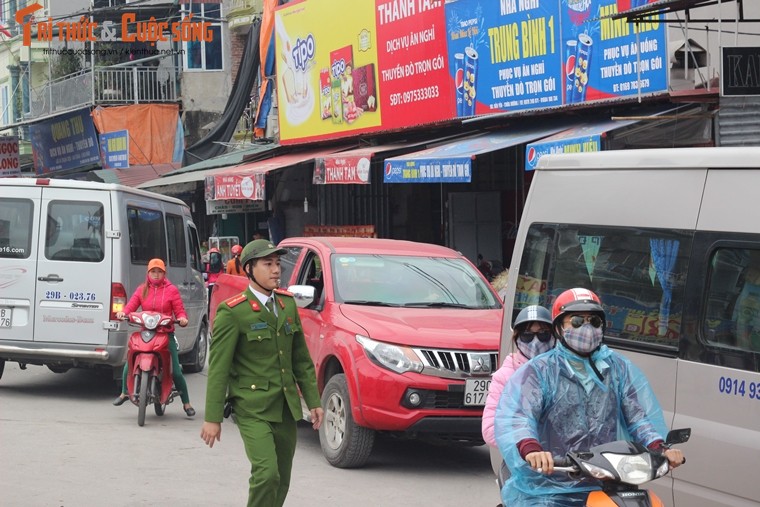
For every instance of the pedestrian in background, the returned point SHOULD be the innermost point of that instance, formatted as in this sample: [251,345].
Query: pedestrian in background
[258,361]
[234,267]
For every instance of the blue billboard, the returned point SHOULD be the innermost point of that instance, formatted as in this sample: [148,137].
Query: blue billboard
[65,142]
[515,55]
[114,147]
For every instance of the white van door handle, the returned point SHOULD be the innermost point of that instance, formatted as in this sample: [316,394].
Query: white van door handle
[50,278]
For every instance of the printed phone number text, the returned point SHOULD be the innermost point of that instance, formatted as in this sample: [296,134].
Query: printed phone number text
[738,387]
[429,92]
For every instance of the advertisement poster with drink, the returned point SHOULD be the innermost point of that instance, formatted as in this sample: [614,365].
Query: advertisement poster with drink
[504,56]
[610,58]
[376,65]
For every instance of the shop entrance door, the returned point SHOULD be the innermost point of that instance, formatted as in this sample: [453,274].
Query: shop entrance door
[475,224]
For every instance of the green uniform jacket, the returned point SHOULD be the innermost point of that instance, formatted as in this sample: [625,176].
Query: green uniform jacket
[257,359]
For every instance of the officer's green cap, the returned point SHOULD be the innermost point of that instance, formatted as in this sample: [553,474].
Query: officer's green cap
[259,248]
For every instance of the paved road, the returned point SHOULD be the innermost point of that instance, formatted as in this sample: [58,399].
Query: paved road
[62,444]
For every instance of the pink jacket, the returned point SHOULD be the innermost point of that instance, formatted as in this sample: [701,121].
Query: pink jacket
[164,298]
[511,363]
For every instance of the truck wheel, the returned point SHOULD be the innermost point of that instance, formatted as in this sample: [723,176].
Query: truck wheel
[197,356]
[344,443]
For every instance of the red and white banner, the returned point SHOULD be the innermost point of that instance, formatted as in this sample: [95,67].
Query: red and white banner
[235,186]
[341,170]
[9,162]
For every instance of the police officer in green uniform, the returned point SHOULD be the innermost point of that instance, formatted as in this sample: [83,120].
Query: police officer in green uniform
[258,360]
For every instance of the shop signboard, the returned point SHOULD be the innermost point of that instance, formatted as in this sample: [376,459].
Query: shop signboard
[580,139]
[511,56]
[221,206]
[740,72]
[114,147]
[65,142]
[375,65]
[9,162]
[627,5]
[341,170]
[235,187]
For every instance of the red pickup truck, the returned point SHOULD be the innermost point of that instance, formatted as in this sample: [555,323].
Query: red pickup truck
[404,337]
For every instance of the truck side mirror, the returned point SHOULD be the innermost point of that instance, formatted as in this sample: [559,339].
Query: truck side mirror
[303,294]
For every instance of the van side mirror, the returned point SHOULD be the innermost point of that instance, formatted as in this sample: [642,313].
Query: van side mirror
[678,436]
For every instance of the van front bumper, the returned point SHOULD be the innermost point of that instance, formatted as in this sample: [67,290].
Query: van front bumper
[94,355]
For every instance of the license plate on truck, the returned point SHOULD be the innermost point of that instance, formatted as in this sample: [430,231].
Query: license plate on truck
[5,317]
[476,391]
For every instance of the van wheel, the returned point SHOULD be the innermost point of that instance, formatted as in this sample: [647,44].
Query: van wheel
[58,369]
[197,356]
[2,367]
[344,443]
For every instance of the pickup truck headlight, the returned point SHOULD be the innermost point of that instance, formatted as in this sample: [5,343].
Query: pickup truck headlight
[393,357]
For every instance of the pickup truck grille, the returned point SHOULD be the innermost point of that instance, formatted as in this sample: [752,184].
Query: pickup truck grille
[457,363]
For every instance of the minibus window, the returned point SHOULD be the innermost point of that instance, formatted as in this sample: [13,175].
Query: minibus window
[638,273]
[74,231]
[732,315]
[175,228]
[147,239]
[16,228]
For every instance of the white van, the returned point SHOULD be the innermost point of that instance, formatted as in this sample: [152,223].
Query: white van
[670,241]
[71,255]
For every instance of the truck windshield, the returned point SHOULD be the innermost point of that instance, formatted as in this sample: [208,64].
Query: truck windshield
[408,281]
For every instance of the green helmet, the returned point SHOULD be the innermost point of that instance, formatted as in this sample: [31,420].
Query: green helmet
[259,248]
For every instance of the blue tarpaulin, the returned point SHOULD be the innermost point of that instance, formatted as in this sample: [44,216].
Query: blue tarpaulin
[451,162]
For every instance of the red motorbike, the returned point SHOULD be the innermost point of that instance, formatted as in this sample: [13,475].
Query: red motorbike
[150,363]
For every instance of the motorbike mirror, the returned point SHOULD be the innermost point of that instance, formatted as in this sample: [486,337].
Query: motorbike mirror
[678,436]
[205,276]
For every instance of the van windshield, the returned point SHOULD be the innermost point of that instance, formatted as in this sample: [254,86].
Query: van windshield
[409,281]
[638,273]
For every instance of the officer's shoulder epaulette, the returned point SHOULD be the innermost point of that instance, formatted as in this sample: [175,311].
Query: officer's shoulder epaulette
[235,300]
[284,292]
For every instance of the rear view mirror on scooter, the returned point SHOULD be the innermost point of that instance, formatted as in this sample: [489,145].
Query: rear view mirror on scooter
[678,436]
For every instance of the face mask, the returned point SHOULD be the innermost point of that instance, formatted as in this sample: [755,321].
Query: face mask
[534,347]
[583,339]
[154,282]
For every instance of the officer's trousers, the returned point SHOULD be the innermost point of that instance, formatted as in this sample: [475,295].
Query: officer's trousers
[270,447]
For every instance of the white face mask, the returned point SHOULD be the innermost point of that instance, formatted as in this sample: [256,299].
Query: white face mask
[584,339]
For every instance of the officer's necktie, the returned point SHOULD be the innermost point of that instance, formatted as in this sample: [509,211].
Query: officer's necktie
[270,305]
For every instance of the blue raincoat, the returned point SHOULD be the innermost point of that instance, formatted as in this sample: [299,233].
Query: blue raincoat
[558,400]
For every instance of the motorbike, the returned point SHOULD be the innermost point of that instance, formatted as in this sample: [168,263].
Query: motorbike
[622,467]
[149,363]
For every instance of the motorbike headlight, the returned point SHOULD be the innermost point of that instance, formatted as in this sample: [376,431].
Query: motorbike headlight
[393,357]
[632,468]
[597,472]
[662,469]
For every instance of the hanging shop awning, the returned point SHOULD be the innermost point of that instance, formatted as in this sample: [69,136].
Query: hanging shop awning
[246,181]
[580,138]
[451,162]
[644,128]
[352,166]
[133,176]
[186,178]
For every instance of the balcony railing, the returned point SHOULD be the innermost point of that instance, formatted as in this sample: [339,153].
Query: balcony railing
[120,85]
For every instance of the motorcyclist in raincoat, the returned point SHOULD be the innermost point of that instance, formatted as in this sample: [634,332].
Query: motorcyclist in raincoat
[578,395]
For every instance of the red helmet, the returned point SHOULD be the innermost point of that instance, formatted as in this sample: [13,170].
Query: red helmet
[576,300]
[237,249]
[214,250]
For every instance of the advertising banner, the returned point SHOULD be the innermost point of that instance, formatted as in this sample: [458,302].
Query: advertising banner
[9,163]
[505,55]
[114,148]
[378,65]
[64,142]
[235,186]
[611,58]
[626,5]
[579,139]
[509,55]
[341,170]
